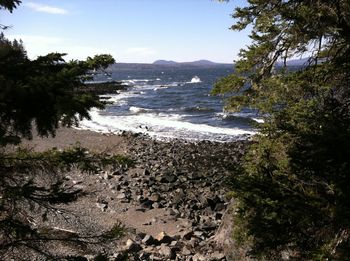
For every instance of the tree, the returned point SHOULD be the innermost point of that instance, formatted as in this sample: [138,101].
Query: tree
[41,95]
[293,188]
[42,91]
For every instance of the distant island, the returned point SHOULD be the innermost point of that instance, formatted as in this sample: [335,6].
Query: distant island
[169,64]
[166,64]
[194,63]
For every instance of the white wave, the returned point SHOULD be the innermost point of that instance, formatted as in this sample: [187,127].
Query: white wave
[157,87]
[166,86]
[130,82]
[161,126]
[121,98]
[252,116]
[195,79]
[258,120]
[135,109]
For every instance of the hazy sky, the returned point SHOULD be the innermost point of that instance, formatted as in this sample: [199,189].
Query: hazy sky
[130,30]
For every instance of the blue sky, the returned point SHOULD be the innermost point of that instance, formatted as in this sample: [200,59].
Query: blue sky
[130,30]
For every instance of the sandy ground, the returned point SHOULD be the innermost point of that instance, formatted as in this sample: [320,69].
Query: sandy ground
[151,222]
[66,137]
[101,189]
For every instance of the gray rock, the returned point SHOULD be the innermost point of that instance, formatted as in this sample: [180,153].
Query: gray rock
[102,206]
[188,235]
[199,257]
[217,256]
[144,256]
[121,196]
[186,251]
[148,240]
[132,246]
[164,238]
[167,252]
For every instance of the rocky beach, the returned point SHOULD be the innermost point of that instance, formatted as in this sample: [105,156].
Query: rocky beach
[172,202]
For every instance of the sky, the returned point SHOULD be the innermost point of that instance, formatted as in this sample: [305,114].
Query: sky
[138,31]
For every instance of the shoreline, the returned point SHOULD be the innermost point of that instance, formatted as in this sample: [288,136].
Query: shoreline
[111,142]
[177,188]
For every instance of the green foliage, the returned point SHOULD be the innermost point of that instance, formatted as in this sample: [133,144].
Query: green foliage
[115,232]
[42,93]
[9,4]
[293,186]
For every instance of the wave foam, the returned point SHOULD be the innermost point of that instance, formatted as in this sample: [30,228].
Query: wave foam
[161,126]
[195,79]
[135,109]
[251,116]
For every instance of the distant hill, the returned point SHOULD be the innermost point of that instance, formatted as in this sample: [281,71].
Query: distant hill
[164,62]
[202,63]
[165,65]
[194,63]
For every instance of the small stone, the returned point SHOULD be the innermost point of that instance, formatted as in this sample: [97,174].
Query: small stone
[102,206]
[162,237]
[121,196]
[220,207]
[107,176]
[77,182]
[155,258]
[198,233]
[147,204]
[217,256]
[116,173]
[155,197]
[148,240]
[186,252]
[188,235]
[173,212]
[132,246]
[198,257]
[174,243]
[144,256]
[155,205]
[119,257]
[167,252]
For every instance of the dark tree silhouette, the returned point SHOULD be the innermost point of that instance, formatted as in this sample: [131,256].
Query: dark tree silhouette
[39,96]
[293,188]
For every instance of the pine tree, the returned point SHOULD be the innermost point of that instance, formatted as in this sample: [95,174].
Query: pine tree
[293,188]
[42,92]
[39,96]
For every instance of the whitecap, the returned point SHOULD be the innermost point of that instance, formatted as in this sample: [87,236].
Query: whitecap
[248,115]
[135,109]
[195,79]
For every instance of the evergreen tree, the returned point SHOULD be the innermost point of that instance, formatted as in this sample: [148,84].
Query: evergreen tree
[293,188]
[41,95]
[42,92]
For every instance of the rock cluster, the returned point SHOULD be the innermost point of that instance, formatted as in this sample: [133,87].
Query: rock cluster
[186,179]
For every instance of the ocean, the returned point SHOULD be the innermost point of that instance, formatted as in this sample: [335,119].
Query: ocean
[171,103]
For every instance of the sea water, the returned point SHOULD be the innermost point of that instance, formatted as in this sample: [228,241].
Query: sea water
[167,103]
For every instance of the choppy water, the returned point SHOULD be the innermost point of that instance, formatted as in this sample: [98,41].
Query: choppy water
[172,103]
